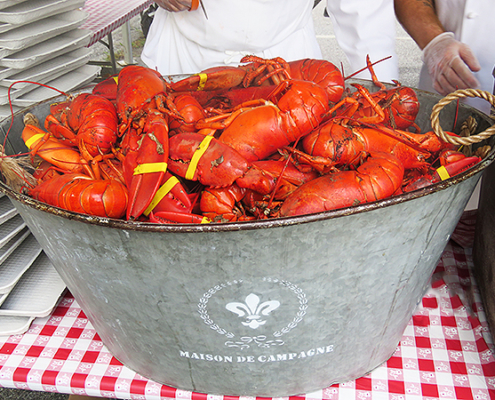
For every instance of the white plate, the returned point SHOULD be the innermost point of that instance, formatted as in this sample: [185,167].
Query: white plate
[36,293]
[6,72]
[14,325]
[3,297]
[66,83]
[48,49]
[6,113]
[34,10]
[6,27]
[7,209]
[12,244]
[48,70]
[17,263]
[8,3]
[11,228]
[14,93]
[39,31]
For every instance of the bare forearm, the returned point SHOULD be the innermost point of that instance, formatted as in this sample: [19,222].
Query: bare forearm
[419,19]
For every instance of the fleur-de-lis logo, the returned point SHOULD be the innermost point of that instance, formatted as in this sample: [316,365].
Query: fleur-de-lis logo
[252,310]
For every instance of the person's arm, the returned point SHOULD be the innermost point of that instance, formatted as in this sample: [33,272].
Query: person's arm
[174,5]
[366,27]
[419,19]
[450,63]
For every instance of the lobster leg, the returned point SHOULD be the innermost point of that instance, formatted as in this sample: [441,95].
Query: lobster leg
[60,131]
[223,204]
[50,149]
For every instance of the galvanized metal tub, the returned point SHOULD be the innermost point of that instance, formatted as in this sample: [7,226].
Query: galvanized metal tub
[267,308]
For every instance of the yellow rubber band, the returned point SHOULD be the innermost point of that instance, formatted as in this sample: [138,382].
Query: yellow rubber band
[148,168]
[205,220]
[197,156]
[202,81]
[443,173]
[116,79]
[161,193]
[33,139]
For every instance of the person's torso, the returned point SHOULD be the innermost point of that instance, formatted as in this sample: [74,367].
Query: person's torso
[252,25]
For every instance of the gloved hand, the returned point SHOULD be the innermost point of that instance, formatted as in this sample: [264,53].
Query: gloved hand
[174,5]
[450,64]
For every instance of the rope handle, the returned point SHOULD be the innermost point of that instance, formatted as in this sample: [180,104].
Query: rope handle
[466,141]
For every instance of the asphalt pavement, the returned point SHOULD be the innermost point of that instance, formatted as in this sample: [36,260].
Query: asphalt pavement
[409,66]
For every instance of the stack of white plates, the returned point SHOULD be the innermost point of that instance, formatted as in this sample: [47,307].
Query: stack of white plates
[30,287]
[40,41]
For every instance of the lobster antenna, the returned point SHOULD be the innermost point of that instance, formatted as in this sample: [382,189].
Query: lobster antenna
[12,109]
[365,68]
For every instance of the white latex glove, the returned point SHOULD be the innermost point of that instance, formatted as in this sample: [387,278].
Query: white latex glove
[174,5]
[450,64]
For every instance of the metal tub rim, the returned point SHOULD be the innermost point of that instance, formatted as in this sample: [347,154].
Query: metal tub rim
[247,225]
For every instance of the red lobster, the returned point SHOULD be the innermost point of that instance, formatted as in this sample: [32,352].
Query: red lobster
[345,138]
[143,104]
[321,72]
[451,164]
[211,162]
[79,193]
[260,71]
[400,104]
[346,145]
[144,167]
[230,203]
[87,121]
[140,90]
[380,176]
[257,132]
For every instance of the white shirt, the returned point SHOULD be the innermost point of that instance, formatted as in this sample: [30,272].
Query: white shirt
[186,42]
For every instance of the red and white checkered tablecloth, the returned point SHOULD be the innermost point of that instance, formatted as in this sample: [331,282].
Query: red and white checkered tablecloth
[107,15]
[446,351]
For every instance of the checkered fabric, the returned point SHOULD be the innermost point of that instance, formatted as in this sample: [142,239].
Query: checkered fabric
[107,15]
[446,351]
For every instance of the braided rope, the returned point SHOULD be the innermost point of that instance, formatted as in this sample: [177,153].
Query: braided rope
[466,141]
[468,126]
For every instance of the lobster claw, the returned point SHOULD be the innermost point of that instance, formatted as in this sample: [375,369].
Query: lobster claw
[170,197]
[442,173]
[150,162]
[212,79]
